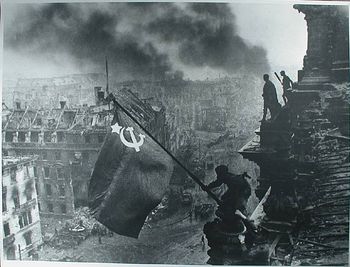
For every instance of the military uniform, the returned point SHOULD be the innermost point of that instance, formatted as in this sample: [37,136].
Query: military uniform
[270,99]
[286,84]
[237,193]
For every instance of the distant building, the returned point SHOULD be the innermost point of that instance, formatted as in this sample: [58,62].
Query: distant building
[44,92]
[213,119]
[20,210]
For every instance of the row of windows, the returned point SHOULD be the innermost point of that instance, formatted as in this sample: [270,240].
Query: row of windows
[36,137]
[15,197]
[47,155]
[58,155]
[14,170]
[24,219]
[59,172]
[27,236]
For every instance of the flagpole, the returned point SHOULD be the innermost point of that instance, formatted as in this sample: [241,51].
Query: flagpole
[195,178]
[107,86]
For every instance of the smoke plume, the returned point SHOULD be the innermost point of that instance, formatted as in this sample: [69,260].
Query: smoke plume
[140,40]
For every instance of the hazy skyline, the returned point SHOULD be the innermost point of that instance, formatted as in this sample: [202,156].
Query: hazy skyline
[189,41]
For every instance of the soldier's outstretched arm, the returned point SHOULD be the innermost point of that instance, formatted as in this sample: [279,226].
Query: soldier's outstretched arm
[214,184]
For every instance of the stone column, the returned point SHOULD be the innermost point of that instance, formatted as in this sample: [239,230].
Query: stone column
[318,58]
[327,55]
[340,45]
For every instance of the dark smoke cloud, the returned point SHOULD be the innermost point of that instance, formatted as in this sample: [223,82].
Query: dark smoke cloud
[133,36]
[207,36]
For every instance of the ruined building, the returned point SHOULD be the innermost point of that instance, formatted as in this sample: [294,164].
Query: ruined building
[38,93]
[303,155]
[20,211]
[67,142]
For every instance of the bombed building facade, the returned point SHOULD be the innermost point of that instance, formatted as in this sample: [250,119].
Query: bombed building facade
[67,141]
[20,208]
[75,90]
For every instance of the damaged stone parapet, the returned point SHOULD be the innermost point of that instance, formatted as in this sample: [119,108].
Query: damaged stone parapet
[327,55]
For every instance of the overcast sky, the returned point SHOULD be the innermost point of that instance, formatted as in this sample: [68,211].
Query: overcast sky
[276,28]
[279,28]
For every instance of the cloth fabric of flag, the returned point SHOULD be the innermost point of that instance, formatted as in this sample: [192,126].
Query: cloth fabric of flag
[130,177]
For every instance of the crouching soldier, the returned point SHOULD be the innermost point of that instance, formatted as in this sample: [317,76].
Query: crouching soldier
[234,199]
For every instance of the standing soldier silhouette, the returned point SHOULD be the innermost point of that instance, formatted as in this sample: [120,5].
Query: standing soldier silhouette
[287,83]
[270,98]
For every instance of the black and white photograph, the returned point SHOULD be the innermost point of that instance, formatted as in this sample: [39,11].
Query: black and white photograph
[175,133]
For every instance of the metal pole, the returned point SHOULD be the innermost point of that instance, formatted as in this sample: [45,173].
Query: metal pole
[196,179]
[19,252]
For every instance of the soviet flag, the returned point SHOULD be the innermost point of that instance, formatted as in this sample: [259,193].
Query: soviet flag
[130,176]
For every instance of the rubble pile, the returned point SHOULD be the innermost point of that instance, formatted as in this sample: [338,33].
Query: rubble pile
[324,239]
[77,229]
[82,217]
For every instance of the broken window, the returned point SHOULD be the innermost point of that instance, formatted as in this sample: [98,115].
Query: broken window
[16,198]
[48,189]
[29,190]
[11,253]
[7,229]
[20,222]
[28,237]
[13,174]
[4,198]
[47,171]
[21,137]
[34,137]
[47,137]
[25,218]
[35,171]
[29,214]
[8,136]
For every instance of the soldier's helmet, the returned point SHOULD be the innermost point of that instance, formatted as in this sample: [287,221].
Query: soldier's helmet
[282,72]
[221,170]
[266,77]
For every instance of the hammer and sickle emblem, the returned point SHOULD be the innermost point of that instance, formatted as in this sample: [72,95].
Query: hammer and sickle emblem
[135,144]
